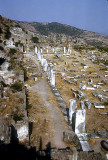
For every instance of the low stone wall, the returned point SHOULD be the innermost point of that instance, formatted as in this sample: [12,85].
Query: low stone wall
[71,137]
[68,154]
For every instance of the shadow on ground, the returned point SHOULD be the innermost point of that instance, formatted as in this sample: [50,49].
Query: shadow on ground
[16,151]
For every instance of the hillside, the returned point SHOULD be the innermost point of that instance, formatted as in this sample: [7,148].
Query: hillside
[47,29]
[5,25]
[55,32]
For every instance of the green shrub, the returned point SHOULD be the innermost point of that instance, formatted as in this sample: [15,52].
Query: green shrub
[18,43]
[17,86]
[10,68]
[105,62]
[35,39]
[1,41]
[12,51]
[100,48]
[17,117]
[7,33]
[1,48]
[105,103]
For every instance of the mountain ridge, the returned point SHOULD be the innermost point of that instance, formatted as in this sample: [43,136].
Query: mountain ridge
[45,23]
[61,31]
[46,29]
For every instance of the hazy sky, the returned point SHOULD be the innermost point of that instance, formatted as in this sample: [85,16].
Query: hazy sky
[85,14]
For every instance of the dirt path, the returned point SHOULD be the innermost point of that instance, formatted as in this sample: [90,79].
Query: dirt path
[49,123]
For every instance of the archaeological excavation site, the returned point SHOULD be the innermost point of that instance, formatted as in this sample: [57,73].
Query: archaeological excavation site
[53,92]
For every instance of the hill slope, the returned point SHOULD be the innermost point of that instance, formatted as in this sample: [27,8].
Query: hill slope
[57,28]
[54,29]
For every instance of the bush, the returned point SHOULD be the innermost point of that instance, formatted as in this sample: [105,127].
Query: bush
[1,48]
[8,33]
[100,48]
[106,62]
[105,103]
[12,51]
[12,64]
[35,39]
[17,117]
[17,86]
[1,31]
[18,43]
[1,41]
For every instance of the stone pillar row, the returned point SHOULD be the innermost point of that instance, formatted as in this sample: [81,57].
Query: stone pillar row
[48,68]
[53,50]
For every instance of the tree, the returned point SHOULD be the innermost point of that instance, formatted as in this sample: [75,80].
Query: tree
[35,39]
[8,33]
[17,86]
[1,48]
[12,51]
[17,117]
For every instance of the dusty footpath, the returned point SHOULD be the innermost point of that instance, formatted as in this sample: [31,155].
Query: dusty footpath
[48,121]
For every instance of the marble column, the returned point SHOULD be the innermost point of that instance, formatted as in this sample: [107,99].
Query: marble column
[64,50]
[52,79]
[78,124]
[36,50]
[72,107]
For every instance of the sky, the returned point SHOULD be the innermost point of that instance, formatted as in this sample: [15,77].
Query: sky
[89,15]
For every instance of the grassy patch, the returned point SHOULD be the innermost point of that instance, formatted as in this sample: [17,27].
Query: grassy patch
[12,51]
[17,86]
[1,48]
[17,117]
